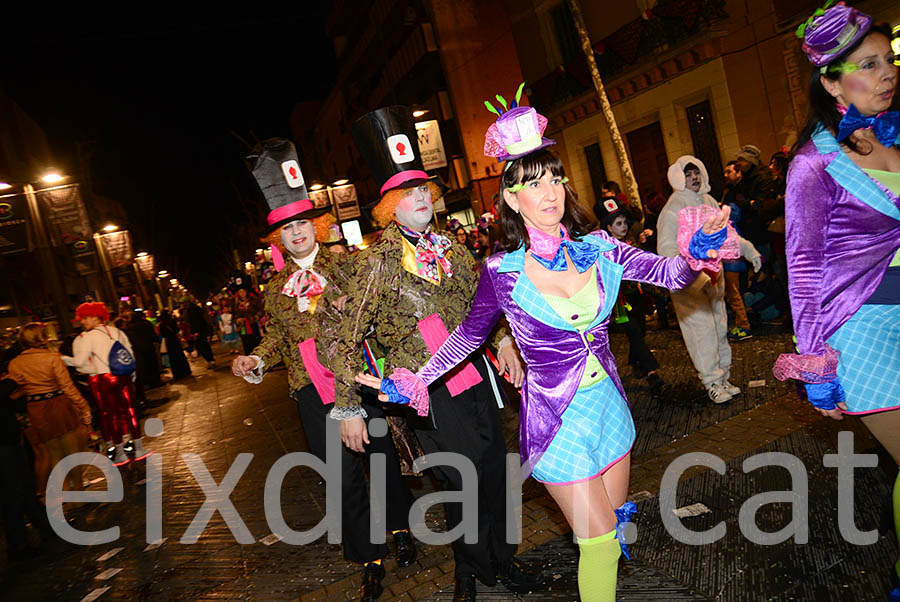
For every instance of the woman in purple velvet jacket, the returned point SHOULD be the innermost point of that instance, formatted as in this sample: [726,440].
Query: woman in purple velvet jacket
[557,284]
[842,215]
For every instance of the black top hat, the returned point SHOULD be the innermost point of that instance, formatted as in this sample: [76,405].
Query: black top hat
[279,177]
[387,140]
[607,210]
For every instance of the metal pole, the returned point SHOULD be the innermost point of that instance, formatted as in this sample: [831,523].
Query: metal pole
[52,277]
[631,187]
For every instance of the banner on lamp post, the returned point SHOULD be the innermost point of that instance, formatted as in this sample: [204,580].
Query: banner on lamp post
[431,147]
[65,213]
[117,246]
[146,266]
[345,202]
[319,198]
[13,224]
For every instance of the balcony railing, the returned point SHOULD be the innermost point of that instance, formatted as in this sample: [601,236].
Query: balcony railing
[668,24]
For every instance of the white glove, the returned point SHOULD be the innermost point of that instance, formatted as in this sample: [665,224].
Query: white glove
[756,262]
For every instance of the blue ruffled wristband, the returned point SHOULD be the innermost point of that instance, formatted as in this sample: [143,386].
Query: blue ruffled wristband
[623,517]
[394,396]
[825,396]
[701,242]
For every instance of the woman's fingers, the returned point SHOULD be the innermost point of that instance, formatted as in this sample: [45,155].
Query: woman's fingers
[368,380]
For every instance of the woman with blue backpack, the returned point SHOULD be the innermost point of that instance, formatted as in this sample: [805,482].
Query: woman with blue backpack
[104,354]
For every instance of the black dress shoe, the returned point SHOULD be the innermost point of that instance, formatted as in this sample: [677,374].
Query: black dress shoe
[520,577]
[371,587]
[405,548]
[464,591]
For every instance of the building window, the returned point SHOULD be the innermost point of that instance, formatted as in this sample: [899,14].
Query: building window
[595,168]
[566,35]
[706,145]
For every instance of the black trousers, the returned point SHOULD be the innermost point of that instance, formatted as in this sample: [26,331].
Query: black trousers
[355,493]
[639,354]
[147,373]
[469,424]
[18,499]
[203,348]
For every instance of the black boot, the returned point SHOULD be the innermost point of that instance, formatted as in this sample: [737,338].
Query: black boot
[519,577]
[405,548]
[371,587]
[464,590]
[656,384]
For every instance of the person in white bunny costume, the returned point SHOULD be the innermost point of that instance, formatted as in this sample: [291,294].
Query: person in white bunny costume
[700,307]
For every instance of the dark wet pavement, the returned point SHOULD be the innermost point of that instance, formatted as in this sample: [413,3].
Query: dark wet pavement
[218,417]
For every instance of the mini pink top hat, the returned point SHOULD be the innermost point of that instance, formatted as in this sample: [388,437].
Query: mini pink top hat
[517,132]
[831,30]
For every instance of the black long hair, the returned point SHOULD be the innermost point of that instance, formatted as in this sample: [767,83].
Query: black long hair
[822,104]
[577,220]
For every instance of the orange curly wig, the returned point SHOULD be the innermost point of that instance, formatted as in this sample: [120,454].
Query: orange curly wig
[383,213]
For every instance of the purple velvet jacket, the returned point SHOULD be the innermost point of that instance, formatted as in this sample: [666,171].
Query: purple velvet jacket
[842,230]
[554,352]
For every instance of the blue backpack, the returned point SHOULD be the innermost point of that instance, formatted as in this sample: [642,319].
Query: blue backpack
[120,361]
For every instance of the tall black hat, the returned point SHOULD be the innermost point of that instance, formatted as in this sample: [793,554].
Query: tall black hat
[608,209]
[279,177]
[387,140]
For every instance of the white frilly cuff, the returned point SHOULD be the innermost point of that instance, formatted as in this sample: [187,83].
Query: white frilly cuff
[255,377]
[347,413]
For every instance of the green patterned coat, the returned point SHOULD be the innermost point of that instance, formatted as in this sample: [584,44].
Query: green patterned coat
[287,326]
[386,297]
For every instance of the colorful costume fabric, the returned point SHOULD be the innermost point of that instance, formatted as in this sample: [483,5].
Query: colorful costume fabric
[387,292]
[554,371]
[400,306]
[843,231]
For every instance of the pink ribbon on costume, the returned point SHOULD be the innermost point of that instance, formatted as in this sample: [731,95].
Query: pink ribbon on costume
[322,378]
[303,283]
[434,333]
[544,245]
[289,210]
[402,177]
[277,258]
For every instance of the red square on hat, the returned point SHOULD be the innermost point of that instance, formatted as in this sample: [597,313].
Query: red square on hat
[610,205]
[400,148]
[292,174]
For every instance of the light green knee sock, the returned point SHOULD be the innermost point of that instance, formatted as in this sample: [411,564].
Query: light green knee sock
[598,566]
[897,517]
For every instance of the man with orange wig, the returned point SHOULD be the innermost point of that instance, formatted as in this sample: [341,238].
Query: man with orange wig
[110,376]
[412,287]
[304,306]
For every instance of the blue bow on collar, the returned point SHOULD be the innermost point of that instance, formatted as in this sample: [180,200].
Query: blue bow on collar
[885,125]
[583,255]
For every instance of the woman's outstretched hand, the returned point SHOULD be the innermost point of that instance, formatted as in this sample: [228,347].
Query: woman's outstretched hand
[371,381]
[714,223]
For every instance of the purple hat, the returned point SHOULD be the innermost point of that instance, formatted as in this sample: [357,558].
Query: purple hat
[517,132]
[832,30]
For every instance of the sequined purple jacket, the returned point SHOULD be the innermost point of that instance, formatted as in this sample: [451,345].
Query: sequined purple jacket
[554,352]
[842,230]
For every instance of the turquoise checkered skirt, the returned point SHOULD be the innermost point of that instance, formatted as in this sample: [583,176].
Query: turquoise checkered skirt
[869,367]
[597,430]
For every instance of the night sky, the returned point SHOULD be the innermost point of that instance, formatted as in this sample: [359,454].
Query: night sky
[161,107]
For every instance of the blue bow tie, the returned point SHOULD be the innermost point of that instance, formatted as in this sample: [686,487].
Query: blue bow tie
[583,255]
[886,126]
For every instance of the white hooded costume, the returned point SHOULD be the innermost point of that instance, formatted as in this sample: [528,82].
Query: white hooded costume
[700,307]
